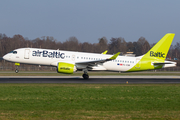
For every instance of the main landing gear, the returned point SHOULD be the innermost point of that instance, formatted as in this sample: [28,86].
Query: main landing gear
[85,75]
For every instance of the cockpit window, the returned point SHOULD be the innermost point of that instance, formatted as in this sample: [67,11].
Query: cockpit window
[14,52]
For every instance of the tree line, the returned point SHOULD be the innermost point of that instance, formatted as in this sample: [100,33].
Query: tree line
[114,45]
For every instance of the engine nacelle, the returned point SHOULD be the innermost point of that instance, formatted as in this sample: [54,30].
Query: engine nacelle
[67,68]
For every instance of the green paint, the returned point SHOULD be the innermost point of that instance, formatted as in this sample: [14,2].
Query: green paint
[65,68]
[114,56]
[17,64]
[105,52]
[156,54]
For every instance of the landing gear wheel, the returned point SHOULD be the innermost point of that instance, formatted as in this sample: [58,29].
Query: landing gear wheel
[16,71]
[85,76]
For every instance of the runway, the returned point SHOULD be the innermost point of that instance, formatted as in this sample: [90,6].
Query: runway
[92,80]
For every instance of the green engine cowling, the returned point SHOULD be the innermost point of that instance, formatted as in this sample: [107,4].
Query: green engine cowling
[67,68]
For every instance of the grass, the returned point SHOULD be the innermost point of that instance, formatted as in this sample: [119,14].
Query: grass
[89,101]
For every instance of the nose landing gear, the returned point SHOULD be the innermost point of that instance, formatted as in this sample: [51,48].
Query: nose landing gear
[17,64]
[16,71]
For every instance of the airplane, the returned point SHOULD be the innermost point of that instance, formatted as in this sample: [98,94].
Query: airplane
[69,62]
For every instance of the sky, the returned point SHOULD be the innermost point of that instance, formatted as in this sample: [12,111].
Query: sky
[89,20]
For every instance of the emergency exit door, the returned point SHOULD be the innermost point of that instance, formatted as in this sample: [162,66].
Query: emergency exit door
[138,63]
[26,54]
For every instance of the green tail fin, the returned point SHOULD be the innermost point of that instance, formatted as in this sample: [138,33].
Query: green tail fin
[160,50]
[157,54]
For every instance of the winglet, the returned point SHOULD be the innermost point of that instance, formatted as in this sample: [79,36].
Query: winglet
[104,52]
[114,56]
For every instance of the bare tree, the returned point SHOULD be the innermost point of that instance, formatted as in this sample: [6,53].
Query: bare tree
[102,45]
[144,45]
[72,44]
[130,47]
[86,47]
[117,45]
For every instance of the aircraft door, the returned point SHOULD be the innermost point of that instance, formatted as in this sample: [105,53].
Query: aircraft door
[26,54]
[138,63]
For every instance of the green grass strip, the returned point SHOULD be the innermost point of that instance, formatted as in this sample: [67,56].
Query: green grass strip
[89,101]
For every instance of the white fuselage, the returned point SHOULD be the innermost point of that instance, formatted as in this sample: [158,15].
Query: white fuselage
[52,57]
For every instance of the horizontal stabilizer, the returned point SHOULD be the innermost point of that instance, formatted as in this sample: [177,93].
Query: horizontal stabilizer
[163,63]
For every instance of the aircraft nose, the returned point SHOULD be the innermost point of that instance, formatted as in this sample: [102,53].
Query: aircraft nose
[5,57]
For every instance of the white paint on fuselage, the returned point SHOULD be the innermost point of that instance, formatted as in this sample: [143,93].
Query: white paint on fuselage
[36,56]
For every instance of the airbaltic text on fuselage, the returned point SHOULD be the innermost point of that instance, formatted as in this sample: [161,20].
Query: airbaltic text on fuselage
[45,53]
[157,54]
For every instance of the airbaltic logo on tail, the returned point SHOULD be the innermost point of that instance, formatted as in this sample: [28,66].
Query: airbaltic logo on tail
[46,53]
[157,54]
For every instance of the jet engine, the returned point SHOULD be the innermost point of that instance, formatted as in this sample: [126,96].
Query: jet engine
[67,68]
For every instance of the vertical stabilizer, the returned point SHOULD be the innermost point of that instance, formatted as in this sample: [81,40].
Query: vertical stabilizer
[160,49]
[155,57]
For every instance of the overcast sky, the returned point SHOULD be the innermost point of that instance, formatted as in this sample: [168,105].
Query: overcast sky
[89,20]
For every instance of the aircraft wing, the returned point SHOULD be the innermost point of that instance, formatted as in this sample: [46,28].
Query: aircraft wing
[87,64]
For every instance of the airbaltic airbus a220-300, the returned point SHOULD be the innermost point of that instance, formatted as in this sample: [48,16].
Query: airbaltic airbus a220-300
[69,61]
